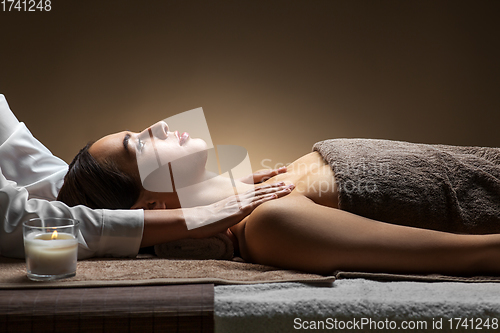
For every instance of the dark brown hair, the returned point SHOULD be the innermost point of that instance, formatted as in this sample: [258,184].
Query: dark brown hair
[98,184]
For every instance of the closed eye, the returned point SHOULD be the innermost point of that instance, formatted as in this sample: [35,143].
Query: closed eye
[140,145]
[126,139]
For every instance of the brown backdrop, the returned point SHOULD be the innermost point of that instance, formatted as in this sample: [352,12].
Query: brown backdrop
[273,76]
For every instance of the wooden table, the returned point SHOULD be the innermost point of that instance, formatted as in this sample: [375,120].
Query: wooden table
[164,308]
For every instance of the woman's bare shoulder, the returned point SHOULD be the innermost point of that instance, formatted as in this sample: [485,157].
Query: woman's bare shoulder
[282,207]
[271,212]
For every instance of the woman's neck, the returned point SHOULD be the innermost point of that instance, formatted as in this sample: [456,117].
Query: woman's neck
[210,189]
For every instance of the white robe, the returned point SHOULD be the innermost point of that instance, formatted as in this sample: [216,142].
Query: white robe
[30,178]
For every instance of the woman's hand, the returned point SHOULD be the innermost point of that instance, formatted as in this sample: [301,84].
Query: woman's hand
[166,225]
[262,175]
[210,220]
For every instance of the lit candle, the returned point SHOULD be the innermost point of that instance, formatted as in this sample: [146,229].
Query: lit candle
[51,253]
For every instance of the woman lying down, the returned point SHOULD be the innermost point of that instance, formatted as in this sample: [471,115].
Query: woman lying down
[358,204]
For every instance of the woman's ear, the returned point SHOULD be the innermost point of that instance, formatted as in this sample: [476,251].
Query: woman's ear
[150,200]
[156,205]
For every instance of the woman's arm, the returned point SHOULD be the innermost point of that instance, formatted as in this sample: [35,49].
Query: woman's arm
[296,233]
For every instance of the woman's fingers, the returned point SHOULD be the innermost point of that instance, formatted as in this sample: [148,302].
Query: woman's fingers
[249,207]
[217,217]
[209,220]
[267,189]
[277,191]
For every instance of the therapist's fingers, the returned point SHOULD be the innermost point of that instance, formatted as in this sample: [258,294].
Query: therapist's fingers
[263,189]
[248,207]
[223,214]
[212,219]
[255,196]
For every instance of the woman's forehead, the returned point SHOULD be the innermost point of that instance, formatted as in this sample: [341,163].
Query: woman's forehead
[109,146]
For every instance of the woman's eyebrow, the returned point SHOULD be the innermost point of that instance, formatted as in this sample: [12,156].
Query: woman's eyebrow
[125,142]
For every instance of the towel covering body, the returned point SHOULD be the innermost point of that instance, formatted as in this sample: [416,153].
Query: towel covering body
[440,187]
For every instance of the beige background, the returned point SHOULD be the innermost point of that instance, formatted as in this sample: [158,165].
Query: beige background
[273,76]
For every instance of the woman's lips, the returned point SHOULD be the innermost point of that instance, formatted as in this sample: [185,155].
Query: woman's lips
[183,138]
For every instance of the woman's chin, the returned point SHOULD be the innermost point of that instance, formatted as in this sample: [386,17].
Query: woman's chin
[195,144]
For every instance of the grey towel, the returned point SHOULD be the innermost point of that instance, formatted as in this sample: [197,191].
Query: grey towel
[218,247]
[440,187]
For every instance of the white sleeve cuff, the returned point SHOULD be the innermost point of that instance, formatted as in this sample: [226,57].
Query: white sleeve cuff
[122,233]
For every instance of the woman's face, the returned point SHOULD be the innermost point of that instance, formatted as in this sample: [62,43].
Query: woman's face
[139,153]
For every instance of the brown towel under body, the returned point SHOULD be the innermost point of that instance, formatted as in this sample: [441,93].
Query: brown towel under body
[440,187]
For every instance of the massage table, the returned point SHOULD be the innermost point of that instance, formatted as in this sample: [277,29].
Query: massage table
[160,295]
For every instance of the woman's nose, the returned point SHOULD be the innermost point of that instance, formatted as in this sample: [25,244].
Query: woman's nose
[160,130]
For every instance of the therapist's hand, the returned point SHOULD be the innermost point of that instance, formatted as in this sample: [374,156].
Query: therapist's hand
[166,225]
[262,175]
[210,220]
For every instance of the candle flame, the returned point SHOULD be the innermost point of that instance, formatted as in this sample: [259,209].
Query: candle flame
[54,235]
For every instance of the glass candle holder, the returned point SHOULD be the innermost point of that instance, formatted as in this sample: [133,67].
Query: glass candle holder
[51,248]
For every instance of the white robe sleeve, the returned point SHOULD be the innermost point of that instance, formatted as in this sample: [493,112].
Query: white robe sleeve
[8,121]
[30,178]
